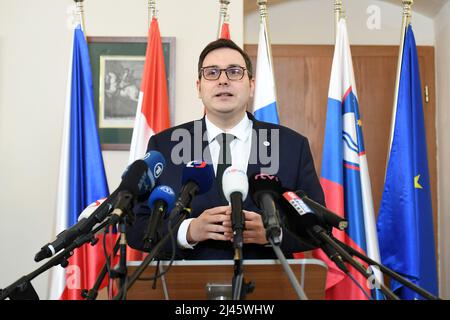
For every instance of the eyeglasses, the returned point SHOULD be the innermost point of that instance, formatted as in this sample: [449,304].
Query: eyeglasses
[213,73]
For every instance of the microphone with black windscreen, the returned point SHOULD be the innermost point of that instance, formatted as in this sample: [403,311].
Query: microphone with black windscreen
[302,221]
[325,216]
[197,178]
[265,190]
[137,181]
[235,189]
[161,202]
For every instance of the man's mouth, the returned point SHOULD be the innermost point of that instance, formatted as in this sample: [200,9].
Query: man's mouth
[223,94]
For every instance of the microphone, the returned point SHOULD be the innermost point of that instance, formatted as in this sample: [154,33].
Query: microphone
[325,216]
[138,179]
[161,200]
[265,189]
[307,223]
[197,178]
[235,189]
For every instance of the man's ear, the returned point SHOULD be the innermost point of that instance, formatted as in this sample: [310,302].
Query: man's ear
[198,89]
[252,87]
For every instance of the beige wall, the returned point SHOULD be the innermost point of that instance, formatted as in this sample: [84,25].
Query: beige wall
[442,27]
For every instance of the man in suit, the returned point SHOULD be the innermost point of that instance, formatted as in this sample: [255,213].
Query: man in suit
[225,85]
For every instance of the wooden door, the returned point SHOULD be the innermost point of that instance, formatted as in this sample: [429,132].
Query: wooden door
[302,75]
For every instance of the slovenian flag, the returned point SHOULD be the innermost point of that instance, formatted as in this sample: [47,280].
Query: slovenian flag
[265,101]
[345,175]
[82,177]
[405,220]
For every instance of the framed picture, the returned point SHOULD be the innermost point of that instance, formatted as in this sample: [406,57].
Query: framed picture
[117,68]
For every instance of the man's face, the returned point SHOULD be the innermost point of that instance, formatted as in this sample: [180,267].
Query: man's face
[224,97]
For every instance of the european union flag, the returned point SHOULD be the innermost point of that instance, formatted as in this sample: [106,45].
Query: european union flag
[405,220]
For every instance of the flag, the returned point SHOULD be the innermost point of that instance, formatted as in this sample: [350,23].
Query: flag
[345,175]
[152,114]
[265,102]
[405,220]
[82,177]
[225,31]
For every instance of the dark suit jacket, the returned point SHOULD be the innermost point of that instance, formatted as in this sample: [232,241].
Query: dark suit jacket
[296,172]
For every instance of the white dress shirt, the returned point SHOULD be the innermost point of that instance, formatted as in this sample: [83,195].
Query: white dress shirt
[240,153]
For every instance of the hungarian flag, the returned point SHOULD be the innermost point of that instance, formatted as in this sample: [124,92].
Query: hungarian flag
[152,114]
[345,175]
[82,177]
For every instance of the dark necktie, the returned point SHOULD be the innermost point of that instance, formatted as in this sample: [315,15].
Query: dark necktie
[224,160]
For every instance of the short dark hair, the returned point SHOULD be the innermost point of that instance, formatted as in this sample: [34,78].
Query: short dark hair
[225,43]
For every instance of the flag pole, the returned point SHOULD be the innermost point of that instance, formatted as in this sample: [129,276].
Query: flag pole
[406,20]
[338,14]
[80,14]
[263,20]
[223,15]
[152,12]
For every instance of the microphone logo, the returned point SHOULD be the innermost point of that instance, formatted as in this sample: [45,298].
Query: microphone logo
[265,176]
[158,170]
[296,202]
[196,164]
[167,189]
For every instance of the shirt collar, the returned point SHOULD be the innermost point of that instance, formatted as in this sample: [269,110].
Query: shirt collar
[241,131]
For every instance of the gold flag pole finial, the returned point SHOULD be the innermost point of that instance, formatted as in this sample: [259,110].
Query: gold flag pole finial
[338,14]
[80,13]
[223,15]
[152,12]
[262,9]
[407,10]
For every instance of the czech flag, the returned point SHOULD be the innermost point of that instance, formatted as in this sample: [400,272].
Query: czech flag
[82,177]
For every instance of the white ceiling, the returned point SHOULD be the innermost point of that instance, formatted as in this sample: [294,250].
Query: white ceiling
[426,7]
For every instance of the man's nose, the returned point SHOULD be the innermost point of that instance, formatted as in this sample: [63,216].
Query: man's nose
[223,79]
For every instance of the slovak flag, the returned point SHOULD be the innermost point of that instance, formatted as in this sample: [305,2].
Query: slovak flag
[265,101]
[345,175]
[82,178]
[152,114]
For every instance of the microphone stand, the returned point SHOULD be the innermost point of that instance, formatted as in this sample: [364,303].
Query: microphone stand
[321,233]
[156,249]
[22,288]
[92,293]
[388,271]
[238,224]
[294,282]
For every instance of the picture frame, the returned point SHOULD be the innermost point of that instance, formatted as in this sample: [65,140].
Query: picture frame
[117,66]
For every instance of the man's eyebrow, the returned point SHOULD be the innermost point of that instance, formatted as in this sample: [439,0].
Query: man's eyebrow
[229,66]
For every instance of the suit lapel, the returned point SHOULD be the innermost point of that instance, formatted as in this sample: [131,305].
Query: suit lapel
[260,144]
